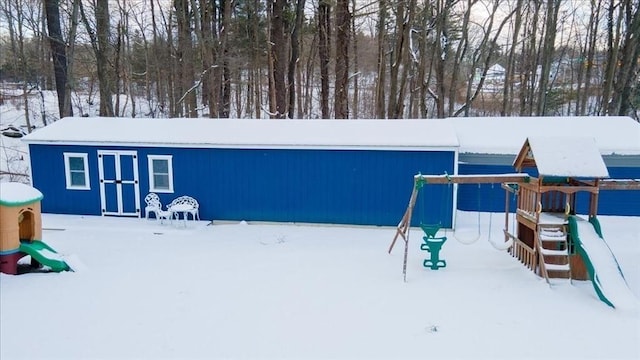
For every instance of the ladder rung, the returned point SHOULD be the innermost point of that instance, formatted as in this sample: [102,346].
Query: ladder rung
[557,267]
[551,231]
[552,237]
[552,252]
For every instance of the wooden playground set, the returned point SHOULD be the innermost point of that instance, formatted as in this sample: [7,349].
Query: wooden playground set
[539,233]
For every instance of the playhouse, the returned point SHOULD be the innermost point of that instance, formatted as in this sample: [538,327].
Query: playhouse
[21,229]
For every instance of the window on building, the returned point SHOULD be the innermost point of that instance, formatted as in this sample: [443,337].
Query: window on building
[160,173]
[76,166]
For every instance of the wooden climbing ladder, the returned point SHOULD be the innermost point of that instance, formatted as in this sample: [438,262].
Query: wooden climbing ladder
[553,250]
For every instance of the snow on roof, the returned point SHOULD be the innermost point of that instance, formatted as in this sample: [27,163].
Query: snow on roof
[505,135]
[17,194]
[568,156]
[231,133]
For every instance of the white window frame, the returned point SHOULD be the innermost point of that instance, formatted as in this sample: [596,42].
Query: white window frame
[152,185]
[67,171]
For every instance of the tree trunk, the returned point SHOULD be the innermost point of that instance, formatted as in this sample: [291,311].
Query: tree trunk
[343,24]
[324,39]
[295,57]
[278,54]
[613,46]
[225,89]
[507,93]
[59,54]
[551,22]
[187,100]
[628,59]
[356,69]
[380,96]
[105,76]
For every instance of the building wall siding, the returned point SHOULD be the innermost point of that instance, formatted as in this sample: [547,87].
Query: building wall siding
[369,187]
[48,175]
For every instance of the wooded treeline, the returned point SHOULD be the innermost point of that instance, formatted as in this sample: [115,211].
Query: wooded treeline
[327,59]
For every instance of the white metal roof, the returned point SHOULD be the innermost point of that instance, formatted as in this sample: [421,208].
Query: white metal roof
[481,135]
[250,133]
[505,135]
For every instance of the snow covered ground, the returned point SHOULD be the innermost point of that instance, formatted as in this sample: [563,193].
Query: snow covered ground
[273,291]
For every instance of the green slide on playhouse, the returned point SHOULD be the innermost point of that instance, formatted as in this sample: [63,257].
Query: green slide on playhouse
[45,255]
[602,266]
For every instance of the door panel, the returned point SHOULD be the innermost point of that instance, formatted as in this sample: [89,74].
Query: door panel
[108,183]
[129,205]
[119,186]
[111,198]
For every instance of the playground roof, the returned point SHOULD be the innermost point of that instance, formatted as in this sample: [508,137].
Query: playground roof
[18,194]
[562,156]
[614,135]
[252,133]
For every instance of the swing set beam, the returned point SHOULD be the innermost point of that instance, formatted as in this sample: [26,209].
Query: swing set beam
[473,179]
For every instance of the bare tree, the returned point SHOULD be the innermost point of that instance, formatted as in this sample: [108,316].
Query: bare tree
[381,32]
[324,39]
[58,49]
[294,58]
[101,47]
[278,56]
[627,61]
[551,24]
[507,94]
[187,103]
[343,33]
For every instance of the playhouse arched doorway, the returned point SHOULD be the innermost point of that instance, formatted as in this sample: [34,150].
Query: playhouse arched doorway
[27,224]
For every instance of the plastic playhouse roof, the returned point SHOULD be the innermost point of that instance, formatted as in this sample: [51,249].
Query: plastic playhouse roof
[614,135]
[18,194]
[252,133]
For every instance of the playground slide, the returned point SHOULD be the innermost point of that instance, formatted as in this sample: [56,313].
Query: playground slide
[45,255]
[604,271]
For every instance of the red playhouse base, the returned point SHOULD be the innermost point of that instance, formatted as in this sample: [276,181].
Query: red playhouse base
[9,262]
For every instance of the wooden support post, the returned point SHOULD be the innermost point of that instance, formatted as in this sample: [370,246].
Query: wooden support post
[506,214]
[403,227]
[593,206]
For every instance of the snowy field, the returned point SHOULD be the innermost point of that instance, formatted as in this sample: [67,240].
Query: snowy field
[143,290]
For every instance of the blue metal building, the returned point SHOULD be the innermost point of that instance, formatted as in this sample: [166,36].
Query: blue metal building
[319,171]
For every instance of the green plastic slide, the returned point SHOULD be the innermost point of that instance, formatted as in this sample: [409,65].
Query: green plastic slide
[603,268]
[45,255]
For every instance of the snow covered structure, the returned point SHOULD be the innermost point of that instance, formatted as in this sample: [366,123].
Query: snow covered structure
[319,171]
[488,145]
[548,237]
[20,219]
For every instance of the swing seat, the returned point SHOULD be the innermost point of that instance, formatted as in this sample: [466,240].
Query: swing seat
[430,230]
[434,265]
[433,245]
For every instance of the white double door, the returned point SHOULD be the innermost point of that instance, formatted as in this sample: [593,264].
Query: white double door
[119,185]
